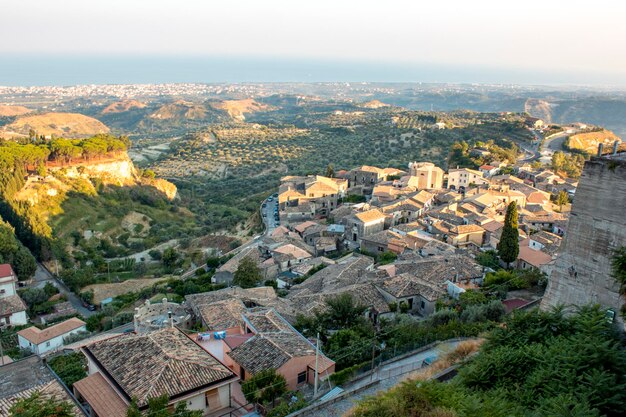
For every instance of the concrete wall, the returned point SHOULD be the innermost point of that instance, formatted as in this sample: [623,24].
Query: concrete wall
[597,226]
[9,289]
[16,319]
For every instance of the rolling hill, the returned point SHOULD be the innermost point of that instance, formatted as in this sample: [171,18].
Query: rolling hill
[123,106]
[237,108]
[9,111]
[589,141]
[70,125]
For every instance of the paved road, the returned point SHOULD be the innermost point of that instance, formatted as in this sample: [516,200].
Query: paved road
[42,276]
[270,224]
[388,380]
[268,215]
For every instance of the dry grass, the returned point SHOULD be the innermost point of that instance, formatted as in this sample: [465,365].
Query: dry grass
[103,291]
[123,106]
[8,111]
[237,108]
[59,124]
[462,351]
[589,141]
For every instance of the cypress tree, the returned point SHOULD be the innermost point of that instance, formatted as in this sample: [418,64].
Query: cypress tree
[508,247]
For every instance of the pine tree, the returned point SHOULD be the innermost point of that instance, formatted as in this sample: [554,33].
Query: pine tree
[508,248]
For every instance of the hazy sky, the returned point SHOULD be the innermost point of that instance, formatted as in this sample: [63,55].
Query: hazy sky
[574,38]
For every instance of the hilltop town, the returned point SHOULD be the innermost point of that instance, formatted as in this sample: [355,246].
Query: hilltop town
[306,253]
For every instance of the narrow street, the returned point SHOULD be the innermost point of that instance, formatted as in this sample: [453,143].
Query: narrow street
[388,375]
[42,276]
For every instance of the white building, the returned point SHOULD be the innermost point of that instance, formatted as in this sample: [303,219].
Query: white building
[462,178]
[43,341]
[12,308]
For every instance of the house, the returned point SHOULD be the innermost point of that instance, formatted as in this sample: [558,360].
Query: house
[462,178]
[488,170]
[49,339]
[226,273]
[288,255]
[466,234]
[419,282]
[221,316]
[12,308]
[272,343]
[538,251]
[321,194]
[22,378]
[140,367]
[363,224]
[366,177]
[428,175]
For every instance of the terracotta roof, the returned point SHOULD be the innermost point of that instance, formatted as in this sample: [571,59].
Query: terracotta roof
[37,336]
[274,344]
[303,226]
[407,285]
[492,226]
[222,315]
[266,320]
[293,251]
[233,263]
[322,187]
[467,228]
[11,304]
[234,340]
[487,167]
[368,168]
[7,271]
[157,363]
[101,396]
[370,216]
[533,257]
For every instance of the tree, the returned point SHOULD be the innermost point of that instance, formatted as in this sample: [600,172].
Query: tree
[330,171]
[343,311]
[247,274]
[618,266]
[70,368]
[508,247]
[488,259]
[36,406]
[170,259]
[264,386]
[562,199]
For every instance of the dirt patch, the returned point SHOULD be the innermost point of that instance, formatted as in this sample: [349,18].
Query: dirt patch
[131,223]
[103,291]
[214,241]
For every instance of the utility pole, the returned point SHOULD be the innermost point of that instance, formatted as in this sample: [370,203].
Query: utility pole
[317,353]
[1,350]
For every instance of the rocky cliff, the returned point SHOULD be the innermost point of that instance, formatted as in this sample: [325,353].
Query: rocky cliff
[81,177]
[597,227]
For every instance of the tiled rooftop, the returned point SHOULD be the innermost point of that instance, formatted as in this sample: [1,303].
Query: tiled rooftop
[157,363]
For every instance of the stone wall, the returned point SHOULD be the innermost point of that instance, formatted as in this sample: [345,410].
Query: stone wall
[597,226]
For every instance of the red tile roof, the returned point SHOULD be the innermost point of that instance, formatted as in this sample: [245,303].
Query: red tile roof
[6,271]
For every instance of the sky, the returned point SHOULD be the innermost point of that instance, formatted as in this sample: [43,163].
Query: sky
[548,41]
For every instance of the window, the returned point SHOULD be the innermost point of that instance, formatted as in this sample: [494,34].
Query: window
[422,304]
[2,291]
[302,377]
[47,344]
[381,249]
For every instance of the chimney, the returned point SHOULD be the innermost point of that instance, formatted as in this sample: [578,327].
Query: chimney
[615,147]
[600,148]
[169,319]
